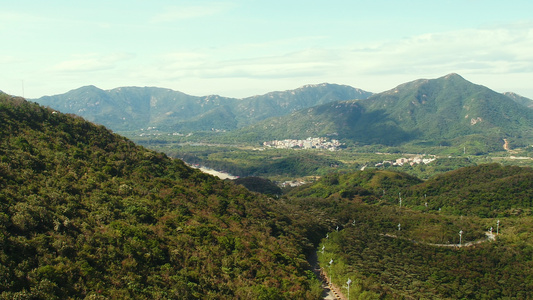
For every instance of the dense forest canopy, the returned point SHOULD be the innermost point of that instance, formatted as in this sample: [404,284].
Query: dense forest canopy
[87,213]
[472,240]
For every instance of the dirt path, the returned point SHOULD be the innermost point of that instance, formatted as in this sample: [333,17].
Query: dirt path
[328,293]
[506,145]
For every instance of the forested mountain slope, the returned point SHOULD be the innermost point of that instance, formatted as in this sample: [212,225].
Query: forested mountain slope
[85,213]
[520,99]
[136,108]
[487,190]
[449,107]
[392,246]
[490,190]
[446,110]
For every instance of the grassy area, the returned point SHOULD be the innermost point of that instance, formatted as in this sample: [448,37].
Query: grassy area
[288,164]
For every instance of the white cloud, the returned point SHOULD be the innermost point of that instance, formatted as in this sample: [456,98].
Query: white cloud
[309,62]
[473,50]
[487,50]
[91,62]
[488,56]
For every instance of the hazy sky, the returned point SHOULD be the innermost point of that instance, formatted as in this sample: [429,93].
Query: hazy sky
[240,48]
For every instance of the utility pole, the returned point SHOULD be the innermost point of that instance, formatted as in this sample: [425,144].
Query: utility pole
[348,283]
[330,263]
[400,196]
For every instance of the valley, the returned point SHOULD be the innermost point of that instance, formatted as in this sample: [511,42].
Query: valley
[402,207]
[281,164]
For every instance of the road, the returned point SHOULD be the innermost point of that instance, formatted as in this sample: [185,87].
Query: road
[328,293]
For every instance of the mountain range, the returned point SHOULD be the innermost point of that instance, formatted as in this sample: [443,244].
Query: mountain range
[430,112]
[136,108]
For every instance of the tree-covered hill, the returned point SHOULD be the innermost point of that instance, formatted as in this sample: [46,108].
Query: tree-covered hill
[291,165]
[395,266]
[87,214]
[136,108]
[260,185]
[447,110]
[369,186]
[490,190]
[450,107]
[393,250]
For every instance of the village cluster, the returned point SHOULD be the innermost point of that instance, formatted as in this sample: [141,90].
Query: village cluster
[309,143]
[402,161]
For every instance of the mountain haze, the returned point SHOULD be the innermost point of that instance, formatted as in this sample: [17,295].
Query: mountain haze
[135,108]
[520,99]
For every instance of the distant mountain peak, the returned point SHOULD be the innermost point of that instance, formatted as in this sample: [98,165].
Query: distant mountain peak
[88,88]
[453,75]
[316,85]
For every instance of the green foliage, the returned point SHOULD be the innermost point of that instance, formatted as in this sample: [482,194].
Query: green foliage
[421,259]
[395,267]
[488,190]
[280,163]
[520,100]
[370,186]
[137,108]
[260,185]
[85,213]
[447,109]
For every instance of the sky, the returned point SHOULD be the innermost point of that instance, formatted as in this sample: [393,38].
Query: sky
[241,48]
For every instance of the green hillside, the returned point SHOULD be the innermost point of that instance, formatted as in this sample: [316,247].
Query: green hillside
[448,110]
[140,108]
[369,186]
[412,251]
[519,99]
[87,214]
[398,266]
[487,191]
